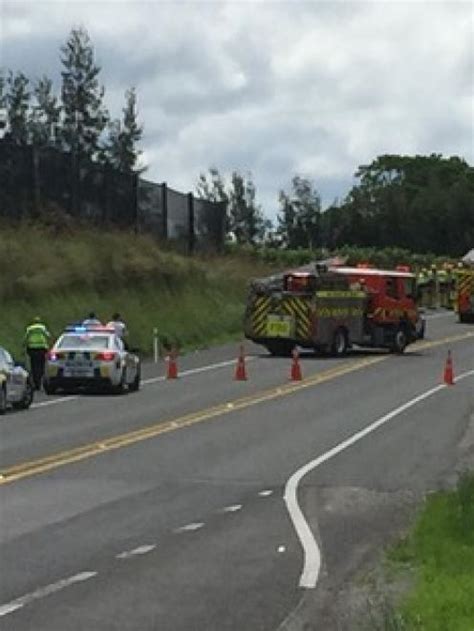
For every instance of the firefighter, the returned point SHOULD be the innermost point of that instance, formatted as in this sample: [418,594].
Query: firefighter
[37,343]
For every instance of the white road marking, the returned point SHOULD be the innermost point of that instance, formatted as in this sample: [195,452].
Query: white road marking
[281,549]
[312,554]
[42,592]
[433,316]
[265,493]
[146,382]
[136,551]
[43,404]
[195,371]
[232,509]
[190,527]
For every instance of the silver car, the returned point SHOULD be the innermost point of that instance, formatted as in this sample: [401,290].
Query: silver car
[16,387]
[91,357]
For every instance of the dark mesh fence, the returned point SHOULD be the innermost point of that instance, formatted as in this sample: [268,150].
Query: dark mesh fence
[34,179]
[178,220]
[209,224]
[152,209]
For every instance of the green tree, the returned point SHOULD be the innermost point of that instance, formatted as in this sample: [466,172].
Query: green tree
[424,203]
[246,220]
[299,221]
[85,116]
[45,114]
[17,101]
[121,149]
[211,186]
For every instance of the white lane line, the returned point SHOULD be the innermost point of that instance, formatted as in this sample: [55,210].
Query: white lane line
[232,509]
[136,551]
[43,404]
[265,493]
[190,527]
[312,554]
[433,316]
[195,371]
[42,592]
[146,382]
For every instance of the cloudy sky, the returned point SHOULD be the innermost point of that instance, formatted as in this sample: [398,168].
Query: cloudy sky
[276,88]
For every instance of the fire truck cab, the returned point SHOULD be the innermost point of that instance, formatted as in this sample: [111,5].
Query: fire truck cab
[332,309]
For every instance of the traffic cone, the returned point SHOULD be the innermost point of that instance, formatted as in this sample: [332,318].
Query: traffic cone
[172,365]
[240,370]
[295,367]
[448,376]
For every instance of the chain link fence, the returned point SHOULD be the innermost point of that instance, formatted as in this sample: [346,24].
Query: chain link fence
[33,179]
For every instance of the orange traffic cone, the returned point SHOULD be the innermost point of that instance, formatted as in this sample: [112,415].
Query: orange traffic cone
[295,367]
[448,376]
[240,370]
[172,365]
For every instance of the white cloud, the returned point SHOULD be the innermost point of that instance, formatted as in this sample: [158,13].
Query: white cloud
[275,88]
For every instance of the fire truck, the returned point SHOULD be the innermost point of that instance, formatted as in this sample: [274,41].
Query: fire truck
[332,308]
[464,296]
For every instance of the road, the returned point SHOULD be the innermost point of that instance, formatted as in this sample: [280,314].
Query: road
[171,508]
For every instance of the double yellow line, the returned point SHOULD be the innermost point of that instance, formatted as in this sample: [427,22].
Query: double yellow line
[54,461]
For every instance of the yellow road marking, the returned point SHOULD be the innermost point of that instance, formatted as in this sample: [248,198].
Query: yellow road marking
[54,461]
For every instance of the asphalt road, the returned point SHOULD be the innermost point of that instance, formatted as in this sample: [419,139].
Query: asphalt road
[165,510]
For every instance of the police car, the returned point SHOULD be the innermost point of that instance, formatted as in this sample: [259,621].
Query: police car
[91,357]
[16,387]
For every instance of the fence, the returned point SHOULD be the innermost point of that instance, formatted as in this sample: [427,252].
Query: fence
[33,178]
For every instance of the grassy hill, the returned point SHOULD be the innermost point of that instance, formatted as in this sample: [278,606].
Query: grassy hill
[63,276]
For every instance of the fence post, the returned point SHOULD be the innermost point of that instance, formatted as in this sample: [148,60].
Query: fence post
[164,206]
[191,232]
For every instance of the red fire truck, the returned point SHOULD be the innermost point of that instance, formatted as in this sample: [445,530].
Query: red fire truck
[332,309]
[464,299]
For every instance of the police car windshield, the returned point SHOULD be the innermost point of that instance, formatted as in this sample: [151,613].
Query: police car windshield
[84,340]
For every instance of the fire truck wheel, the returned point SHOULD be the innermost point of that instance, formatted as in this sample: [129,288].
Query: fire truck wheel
[280,348]
[400,340]
[339,343]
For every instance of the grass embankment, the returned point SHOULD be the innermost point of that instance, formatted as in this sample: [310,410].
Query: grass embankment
[440,550]
[191,301]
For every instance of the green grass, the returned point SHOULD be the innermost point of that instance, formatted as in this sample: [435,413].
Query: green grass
[441,550]
[61,277]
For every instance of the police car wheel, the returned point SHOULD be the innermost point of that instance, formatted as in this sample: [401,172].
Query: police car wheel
[27,399]
[339,344]
[121,387]
[135,385]
[3,400]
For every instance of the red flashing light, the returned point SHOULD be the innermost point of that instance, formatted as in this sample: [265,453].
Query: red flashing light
[106,356]
[364,265]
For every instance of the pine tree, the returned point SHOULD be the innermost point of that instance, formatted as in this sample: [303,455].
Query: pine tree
[17,101]
[44,119]
[121,150]
[85,116]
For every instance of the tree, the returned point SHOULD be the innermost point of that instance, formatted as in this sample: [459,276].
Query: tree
[121,149]
[44,119]
[212,186]
[300,220]
[17,101]
[246,220]
[85,117]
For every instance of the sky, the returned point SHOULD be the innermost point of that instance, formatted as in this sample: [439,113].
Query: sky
[272,88]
